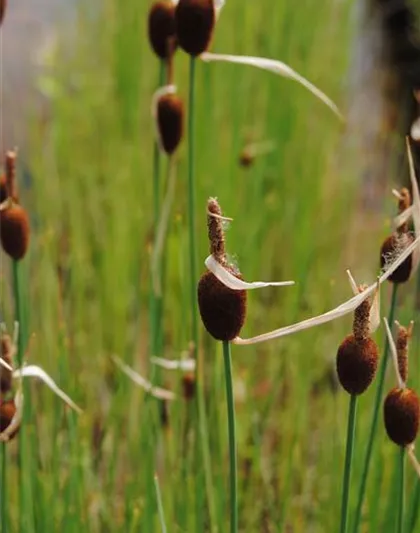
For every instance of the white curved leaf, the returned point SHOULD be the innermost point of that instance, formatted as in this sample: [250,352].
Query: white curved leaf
[353,283]
[277,67]
[394,353]
[413,459]
[232,282]
[403,217]
[342,310]
[34,371]
[375,311]
[5,365]
[139,380]
[415,130]
[186,365]
[416,205]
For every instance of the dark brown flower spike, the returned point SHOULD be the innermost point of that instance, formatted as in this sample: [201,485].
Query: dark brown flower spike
[161,28]
[9,420]
[403,338]
[402,405]
[253,150]
[169,114]
[195,21]
[358,354]
[399,240]
[222,290]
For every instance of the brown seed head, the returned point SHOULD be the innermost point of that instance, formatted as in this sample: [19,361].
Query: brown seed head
[3,188]
[6,354]
[170,119]
[188,385]
[10,170]
[2,10]
[402,416]
[357,362]
[393,246]
[246,159]
[404,335]
[404,201]
[7,412]
[361,319]
[14,231]
[216,231]
[161,27]
[222,310]
[195,21]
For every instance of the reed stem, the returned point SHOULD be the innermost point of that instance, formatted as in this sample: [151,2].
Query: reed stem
[400,527]
[232,438]
[3,488]
[351,425]
[375,416]
[160,506]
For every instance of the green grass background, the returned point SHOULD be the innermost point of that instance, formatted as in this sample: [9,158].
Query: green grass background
[296,215]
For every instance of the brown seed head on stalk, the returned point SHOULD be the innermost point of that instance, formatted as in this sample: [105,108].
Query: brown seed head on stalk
[6,354]
[170,121]
[2,10]
[7,412]
[3,188]
[195,20]
[188,386]
[161,28]
[404,335]
[222,309]
[397,242]
[14,231]
[402,416]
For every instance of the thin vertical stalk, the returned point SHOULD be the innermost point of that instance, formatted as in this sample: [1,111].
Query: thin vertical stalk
[351,425]
[400,527]
[3,488]
[375,416]
[160,506]
[232,438]
[415,507]
[191,207]
[18,310]
[201,411]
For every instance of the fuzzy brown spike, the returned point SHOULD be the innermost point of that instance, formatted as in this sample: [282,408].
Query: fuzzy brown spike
[6,378]
[195,20]
[215,231]
[2,10]
[357,363]
[10,168]
[170,119]
[361,319]
[161,28]
[404,335]
[14,231]
[3,188]
[188,386]
[402,416]
[7,412]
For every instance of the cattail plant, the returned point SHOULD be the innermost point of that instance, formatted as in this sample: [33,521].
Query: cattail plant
[161,28]
[401,410]
[399,240]
[357,362]
[222,303]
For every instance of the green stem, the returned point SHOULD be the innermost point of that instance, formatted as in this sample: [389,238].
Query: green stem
[191,207]
[351,425]
[375,416]
[415,507]
[400,527]
[3,488]
[18,310]
[232,438]
[160,506]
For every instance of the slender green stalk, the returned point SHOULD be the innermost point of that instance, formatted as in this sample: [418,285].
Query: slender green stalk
[375,416]
[160,506]
[232,438]
[400,527]
[415,507]
[18,309]
[191,208]
[3,488]
[351,425]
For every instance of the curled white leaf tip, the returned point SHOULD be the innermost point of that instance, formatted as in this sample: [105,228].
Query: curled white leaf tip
[232,282]
[415,130]
[397,194]
[394,353]
[403,217]
[415,204]
[34,371]
[352,282]
[219,217]
[162,91]
[342,310]
[157,392]
[413,459]
[277,67]
[5,365]
[186,365]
